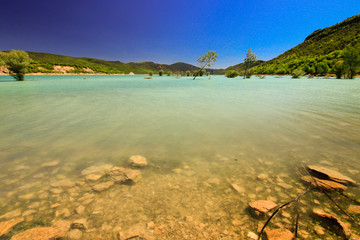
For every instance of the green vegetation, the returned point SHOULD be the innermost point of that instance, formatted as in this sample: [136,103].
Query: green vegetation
[339,69]
[169,73]
[248,61]
[320,52]
[199,72]
[297,73]
[351,60]
[206,61]
[188,73]
[231,74]
[161,73]
[17,63]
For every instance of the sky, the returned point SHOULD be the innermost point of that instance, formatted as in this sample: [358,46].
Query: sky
[166,31]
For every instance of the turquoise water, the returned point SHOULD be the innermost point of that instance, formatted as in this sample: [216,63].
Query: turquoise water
[227,129]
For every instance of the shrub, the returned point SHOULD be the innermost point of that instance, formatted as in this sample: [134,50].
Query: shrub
[188,73]
[249,73]
[169,73]
[339,69]
[231,74]
[161,72]
[298,73]
[17,63]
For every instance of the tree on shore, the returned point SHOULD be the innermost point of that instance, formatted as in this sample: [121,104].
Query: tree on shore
[161,72]
[17,63]
[188,73]
[206,61]
[339,69]
[249,61]
[351,60]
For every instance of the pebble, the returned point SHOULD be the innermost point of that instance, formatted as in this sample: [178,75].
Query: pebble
[74,234]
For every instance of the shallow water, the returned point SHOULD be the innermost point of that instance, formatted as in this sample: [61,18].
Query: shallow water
[198,136]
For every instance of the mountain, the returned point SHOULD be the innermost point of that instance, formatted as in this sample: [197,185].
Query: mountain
[45,62]
[319,51]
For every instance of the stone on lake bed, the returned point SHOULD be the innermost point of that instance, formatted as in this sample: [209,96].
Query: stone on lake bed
[262,176]
[39,233]
[102,186]
[354,209]
[237,188]
[97,169]
[285,185]
[6,226]
[252,235]
[279,234]
[338,225]
[138,161]
[135,232]
[324,184]
[123,175]
[74,234]
[79,224]
[13,214]
[66,183]
[50,164]
[93,177]
[331,174]
[261,207]
[80,209]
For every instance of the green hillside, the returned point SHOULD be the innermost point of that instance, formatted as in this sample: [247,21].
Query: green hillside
[319,52]
[44,63]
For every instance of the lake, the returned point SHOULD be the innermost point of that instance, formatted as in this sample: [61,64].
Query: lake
[199,138]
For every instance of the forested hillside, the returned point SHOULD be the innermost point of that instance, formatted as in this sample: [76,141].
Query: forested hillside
[320,51]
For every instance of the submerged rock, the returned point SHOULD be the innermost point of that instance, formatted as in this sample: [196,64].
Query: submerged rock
[102,186]
[331,174]
[333,221]
[79,224]
[237,188]
[261,207]
[138,161]
[13,214]
[66,183]
[74,234]
[324,184]
[96,169]
[354,209]
[39,233]
[6,226]
[80,210]
[123,175]
[50,164]
[135,232]
[252,235]
[279,234]
[93,177]
[262,176]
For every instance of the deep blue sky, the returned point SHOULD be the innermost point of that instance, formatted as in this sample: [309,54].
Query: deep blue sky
[166,31]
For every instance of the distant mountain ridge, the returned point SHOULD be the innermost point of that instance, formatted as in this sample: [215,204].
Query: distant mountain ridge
[45,62]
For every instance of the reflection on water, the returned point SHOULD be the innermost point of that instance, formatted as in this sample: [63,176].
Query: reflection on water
[198,136]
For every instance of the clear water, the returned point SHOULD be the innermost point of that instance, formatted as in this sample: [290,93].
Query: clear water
[198,136]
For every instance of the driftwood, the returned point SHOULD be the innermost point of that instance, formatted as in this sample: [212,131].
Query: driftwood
[314,184]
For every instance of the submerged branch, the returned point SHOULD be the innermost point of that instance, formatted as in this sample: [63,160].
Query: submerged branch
[297,199]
